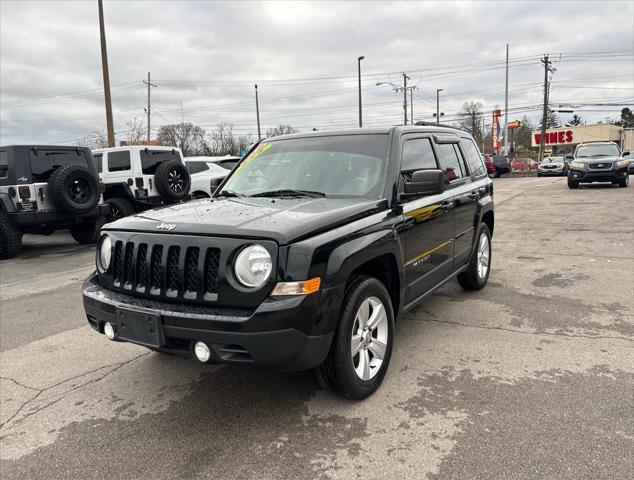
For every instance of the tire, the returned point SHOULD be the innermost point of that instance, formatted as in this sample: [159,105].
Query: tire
[539,174]
[496,174]
[172,181]
[476,275]
[10,238]
[199,195]
[572,183]
[625,182]
[87,232]
[119,208]
[339,372]
[73,189]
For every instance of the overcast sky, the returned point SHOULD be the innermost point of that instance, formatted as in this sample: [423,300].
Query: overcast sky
[208,55]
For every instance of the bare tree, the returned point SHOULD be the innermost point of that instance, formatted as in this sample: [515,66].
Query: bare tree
[282,129]
[221,140]
[470,120]
[136,131]
[188,137]
[94,140]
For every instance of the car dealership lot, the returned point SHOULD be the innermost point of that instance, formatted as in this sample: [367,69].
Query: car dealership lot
[529,378]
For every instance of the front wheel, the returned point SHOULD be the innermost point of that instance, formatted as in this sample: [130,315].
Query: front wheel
[119,208]
[362,346]
[476,275]
[10,238]
[625,182]
[572,183]
[87,232]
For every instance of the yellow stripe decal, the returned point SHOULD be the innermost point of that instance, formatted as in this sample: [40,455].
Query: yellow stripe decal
[429,252]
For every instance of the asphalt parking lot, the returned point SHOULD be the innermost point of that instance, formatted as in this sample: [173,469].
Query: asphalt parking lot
[531,377]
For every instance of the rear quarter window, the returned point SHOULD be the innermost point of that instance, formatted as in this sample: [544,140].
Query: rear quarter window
[151,159]
[119,161]
[197,167]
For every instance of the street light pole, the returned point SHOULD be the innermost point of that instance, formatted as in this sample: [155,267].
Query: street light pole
[438,90]
[359,69]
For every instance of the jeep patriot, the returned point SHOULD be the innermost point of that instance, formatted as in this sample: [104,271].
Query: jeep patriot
[305,256]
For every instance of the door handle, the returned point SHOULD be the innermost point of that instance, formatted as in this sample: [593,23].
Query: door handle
[474,195]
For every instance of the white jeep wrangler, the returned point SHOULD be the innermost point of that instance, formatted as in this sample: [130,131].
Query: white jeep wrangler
[137,178]
[44,188]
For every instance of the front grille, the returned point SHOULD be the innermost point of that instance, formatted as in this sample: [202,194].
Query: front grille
[172,271]
[600,166]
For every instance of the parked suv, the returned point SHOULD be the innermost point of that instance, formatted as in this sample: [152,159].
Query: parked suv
[502,165]
[598,162]
[47,188]
[137,178]
[551,166]
[305,256]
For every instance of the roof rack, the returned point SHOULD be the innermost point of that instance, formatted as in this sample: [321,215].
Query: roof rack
[422,123]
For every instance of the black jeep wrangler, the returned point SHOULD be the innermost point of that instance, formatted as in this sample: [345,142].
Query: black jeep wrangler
[305,256]
[47,188]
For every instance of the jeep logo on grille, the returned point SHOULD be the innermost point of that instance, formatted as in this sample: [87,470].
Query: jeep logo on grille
[166,226]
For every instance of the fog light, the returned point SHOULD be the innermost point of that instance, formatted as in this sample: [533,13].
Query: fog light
[108,330]
[202,352]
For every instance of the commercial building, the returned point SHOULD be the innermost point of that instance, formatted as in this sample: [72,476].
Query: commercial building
[564,140]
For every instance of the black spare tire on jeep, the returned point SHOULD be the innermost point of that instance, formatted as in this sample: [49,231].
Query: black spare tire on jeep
[74,189]
[172,180]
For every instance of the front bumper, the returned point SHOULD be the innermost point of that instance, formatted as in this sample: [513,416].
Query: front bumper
[598,176]
[56,217]
[551,171]
[267,336]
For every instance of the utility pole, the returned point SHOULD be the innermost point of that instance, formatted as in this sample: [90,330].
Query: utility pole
[506,104]
[438,90]
[106,77]
[149,103]
[542,140]
[405,78]
[483,133]
[257,111]
[359,70]
[411,105]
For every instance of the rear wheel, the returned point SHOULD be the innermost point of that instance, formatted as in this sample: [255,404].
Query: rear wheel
[87,232]
[10,238]
[572,183]
[119,208]
[362,346]
[476,275]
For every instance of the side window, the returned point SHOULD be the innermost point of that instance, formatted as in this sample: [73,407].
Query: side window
[418,155]
[450,162]
[475,161]
[97,161]
[118,161]
[4,164]
[197,167]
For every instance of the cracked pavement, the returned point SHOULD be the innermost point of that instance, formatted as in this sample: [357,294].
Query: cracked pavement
[531,377]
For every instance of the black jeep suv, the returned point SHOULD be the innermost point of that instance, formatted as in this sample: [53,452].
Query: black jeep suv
[598,162]
[47,188]
[305,256]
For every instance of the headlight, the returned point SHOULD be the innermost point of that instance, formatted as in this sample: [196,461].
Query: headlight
[104,254]
[576,165]
[621,163]
[253,266]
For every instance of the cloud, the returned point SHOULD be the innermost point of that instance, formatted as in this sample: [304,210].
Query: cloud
[303,57]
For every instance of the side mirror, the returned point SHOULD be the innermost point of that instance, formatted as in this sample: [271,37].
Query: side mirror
[626,154]
[569,158]
[426,182]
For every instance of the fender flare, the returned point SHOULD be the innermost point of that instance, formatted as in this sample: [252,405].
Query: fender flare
[6,204]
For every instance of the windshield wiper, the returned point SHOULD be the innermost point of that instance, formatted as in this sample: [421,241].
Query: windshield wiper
[287,192]
[229,193]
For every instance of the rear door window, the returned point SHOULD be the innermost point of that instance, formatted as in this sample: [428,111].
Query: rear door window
[450,162]
[151,159]
[4,164]
[473,157]
[197,167]
[43,162]
[119,161]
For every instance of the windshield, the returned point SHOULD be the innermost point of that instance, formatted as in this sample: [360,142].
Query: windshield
[554,160]
[335,166]
[597,150]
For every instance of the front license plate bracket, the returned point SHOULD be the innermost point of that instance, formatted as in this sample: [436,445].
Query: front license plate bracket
[139,327]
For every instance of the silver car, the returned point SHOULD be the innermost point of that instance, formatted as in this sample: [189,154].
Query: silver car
[552,166]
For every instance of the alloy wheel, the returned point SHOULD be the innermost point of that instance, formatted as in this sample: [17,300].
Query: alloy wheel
[484,253]
[175,181]
[369,338]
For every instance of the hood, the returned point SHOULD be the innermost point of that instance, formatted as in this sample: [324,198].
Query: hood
[283,220]
[597,159]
